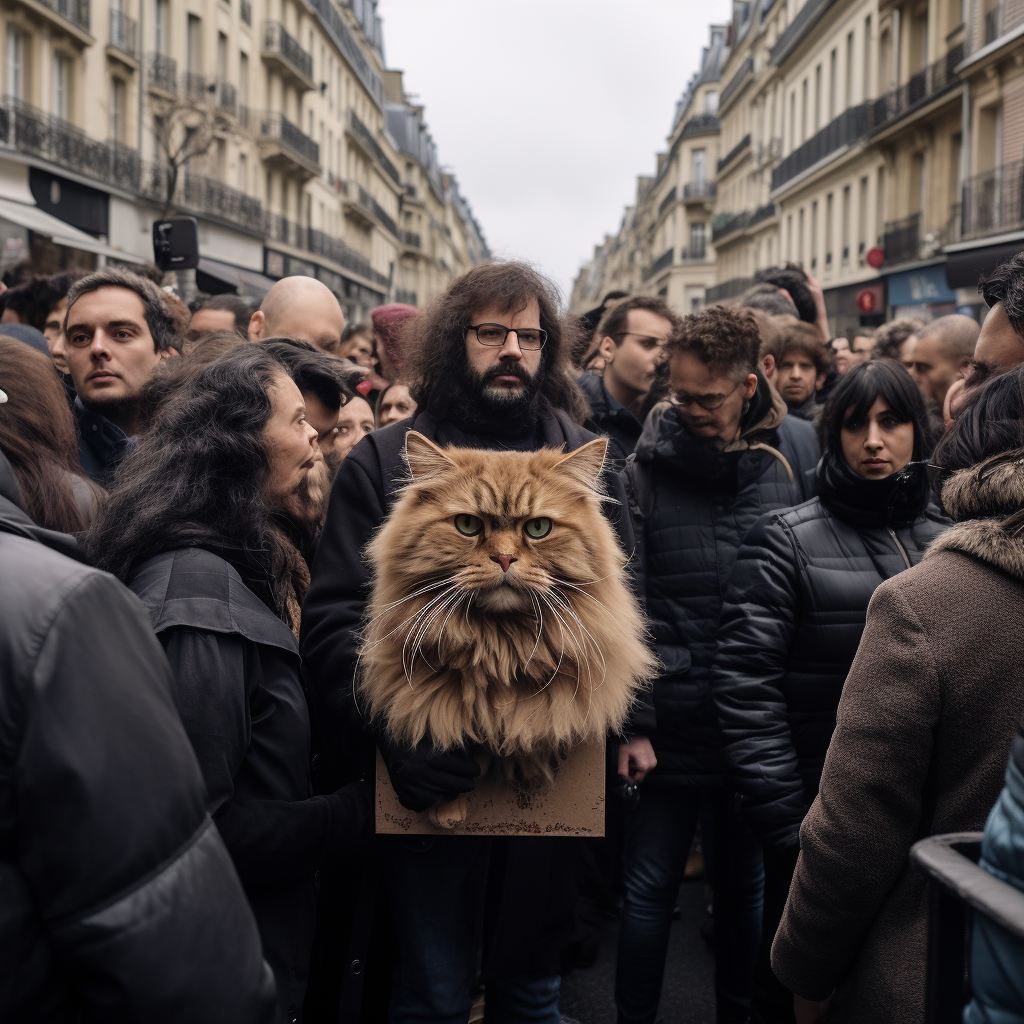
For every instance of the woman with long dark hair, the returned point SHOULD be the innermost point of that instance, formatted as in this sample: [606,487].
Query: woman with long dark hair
[37,434]
[928,713]
[795,609]
[206,523]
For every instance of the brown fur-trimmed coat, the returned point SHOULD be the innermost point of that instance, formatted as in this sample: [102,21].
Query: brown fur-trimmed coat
[931,705]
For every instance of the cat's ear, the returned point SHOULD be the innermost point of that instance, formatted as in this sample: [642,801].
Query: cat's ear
[424,457]
[587,462]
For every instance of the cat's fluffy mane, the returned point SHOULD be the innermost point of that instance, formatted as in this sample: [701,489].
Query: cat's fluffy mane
[525,663]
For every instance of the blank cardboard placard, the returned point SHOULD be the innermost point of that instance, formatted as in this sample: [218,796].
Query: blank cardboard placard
[573,806]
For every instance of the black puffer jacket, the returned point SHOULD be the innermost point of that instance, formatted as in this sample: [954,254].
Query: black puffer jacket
[610,418]
[238,689]
[696,502]
[791,624]
[119,900]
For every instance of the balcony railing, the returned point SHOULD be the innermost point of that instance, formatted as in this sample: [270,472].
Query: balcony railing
[211,196]
[993,202]
[847,128]
[807,17]
[663,261]
[901,240]
[697,252]
[75,11]
[694,191]
[743,144]
[225,97]
[365,136]
[922,87]
[412,239]
[732,86]
[162,72]
[198,88]
[124,33]
[369,203]
[702,124]
[726,224]
[334,25]
[406,296]
[273,125]
[667,201]
[245,11]
[35,133]
[727,289]
[278,42]
[321,244]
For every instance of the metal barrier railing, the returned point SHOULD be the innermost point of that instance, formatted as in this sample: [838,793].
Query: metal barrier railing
[958,890]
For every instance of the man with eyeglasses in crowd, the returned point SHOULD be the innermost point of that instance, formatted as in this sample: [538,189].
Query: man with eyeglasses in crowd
[633,337]
[491,362]
[710,462]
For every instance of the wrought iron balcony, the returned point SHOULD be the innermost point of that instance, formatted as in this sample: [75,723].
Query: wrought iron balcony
[198,88]
[807,17]
[993,202]
[225,97]
[702,124]
[901,240]
[743,144]
[283,49]
[124,33]
[663,261]
[74,11]
[406,296]
[847,128]
[276,127]
[727,289]
[697,252]
[925,85]
[726,224]
[669,199]
[33,132]
[745,70]
[410,238]
[699,191]
[364,136]
[369,203]
[162,72]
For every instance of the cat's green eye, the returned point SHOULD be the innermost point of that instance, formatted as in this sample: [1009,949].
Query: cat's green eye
[537,528]
[467,525]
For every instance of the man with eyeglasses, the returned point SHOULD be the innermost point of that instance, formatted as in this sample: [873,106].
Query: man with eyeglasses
[711,461]
[633,337]
[490,361]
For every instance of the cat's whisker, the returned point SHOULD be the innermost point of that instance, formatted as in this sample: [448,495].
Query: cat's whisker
[567,608]
[411,618]
[444,625]
[540,626]
[409,597]
[419,634]
[417,621]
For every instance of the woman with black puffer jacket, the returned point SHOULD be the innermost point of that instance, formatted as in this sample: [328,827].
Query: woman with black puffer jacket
[794,612]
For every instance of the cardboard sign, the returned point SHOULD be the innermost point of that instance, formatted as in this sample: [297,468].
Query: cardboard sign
[572,806]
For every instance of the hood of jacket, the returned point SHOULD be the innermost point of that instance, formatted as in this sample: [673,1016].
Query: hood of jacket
[980,499]
[603,405]
[15,520]
[665,437]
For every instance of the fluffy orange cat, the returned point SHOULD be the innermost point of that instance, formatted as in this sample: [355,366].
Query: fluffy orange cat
[500,615]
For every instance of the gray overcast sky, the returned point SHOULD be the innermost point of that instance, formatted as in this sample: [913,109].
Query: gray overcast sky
[547,110]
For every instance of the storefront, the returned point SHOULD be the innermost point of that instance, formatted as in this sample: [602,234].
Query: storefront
[968,262]
[924,294]
[853,306]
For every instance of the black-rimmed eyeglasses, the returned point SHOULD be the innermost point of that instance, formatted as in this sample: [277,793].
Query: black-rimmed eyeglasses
[494,335]
[707,402]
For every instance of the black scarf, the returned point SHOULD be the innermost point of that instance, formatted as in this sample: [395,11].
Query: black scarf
[898,500]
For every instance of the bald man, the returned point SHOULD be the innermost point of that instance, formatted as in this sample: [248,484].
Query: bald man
[943,354]
[301,308]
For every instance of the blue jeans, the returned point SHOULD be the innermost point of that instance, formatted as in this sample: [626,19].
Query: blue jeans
[659,832]
[436,886]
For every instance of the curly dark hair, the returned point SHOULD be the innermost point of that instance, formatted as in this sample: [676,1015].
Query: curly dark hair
[198,475]
[435,341]
[889,337]
[793,279]
[1005,284]
[723,339]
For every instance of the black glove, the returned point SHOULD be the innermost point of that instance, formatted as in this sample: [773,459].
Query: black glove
[423,776]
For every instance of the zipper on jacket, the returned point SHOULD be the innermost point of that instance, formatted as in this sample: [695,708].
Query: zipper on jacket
[902,550]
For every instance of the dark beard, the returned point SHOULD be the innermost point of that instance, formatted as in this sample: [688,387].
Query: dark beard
[472,402]
[302,517]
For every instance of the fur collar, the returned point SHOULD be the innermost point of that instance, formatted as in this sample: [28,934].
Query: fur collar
[979,499]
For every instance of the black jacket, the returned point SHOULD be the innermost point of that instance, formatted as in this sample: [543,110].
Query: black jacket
[537,894]
[102,445]
[695,503]
[238,689]
[611,418]
[791,624]
[119,899]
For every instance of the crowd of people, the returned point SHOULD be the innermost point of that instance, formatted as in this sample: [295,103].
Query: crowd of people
[827,537]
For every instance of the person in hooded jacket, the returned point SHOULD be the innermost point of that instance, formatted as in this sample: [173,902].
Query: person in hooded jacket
[208,526]
[120,901]
[710,463]
[794,612]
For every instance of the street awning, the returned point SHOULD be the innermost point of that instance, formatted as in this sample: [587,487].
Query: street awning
[54,228]
[250,282]
[966,267]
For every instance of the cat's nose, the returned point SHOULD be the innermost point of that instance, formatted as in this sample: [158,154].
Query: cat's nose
[504,561]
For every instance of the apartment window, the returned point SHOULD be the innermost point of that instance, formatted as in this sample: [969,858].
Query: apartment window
[833,82]
[880,206]
[845,226]
[817,97]
[800,239]
[269,190]
[862,221]
[17,46]
[61,84]
[697,241]
[118,110]
[711,102]
[698,166]
[161,26]
[792,121]
[220,159]
[222,57]
[695,305]
[194,39]
[867,58]
[243,172]
[829,230]
[849,70]
[803,111]
[789,236]
[814,235]
[917,182]
[243,79]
